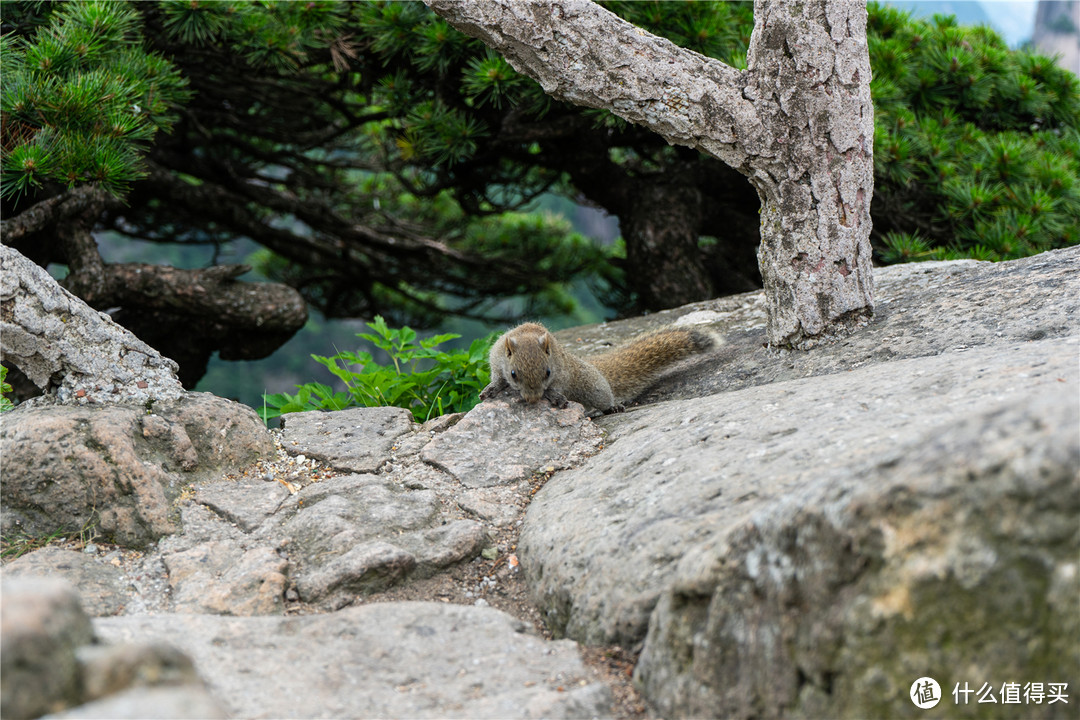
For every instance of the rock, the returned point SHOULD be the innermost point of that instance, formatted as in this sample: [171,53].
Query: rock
[100,584]
[41,627]
[221,578]
[360,534]
[51,662]
[110,669]
[247,543]
[355,440]
[189,702]
[499,442]
[444,545]
[489,508]
[246,503]
[601,542]
[66,347]
[119,468]
[922,309]
[361,569]
[413,660]
[800,548]
[954,556]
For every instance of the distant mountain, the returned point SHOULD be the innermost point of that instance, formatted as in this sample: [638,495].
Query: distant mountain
[1057,31]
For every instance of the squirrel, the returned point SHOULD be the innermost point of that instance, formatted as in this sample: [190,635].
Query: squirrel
[529,359]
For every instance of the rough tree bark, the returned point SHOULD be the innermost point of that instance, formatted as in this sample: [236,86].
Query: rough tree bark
[798,122]
[664,225]
[67,348]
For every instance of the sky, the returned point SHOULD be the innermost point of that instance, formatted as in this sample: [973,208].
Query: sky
[1014,19]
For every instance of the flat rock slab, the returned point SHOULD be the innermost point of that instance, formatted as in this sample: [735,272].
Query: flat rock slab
[921,309]
[222,578]
[414,660]
[601,542]
[502,442]
[101,584]
[359,534]
[336,540]
[247,503]
[355,440]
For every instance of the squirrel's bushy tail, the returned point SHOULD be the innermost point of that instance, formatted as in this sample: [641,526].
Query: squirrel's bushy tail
[632,368]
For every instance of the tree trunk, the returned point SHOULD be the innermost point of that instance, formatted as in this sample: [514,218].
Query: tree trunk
[798,122]
[810,66]
[662,256]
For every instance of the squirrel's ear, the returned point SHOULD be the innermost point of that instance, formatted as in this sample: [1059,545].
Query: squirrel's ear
[545,342]
[511,346]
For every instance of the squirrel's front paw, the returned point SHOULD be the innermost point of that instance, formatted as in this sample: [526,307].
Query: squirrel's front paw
[556,398]
[617,408]
[494,387]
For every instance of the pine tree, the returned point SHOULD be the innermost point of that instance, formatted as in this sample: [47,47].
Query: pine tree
[977,148]
[82,99]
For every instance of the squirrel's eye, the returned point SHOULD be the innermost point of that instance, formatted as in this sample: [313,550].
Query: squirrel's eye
[547,373]
[513,374]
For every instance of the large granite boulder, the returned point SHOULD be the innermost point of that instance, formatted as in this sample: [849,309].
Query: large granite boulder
[840,522]
[119,468]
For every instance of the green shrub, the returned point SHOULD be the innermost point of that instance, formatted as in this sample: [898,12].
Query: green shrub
[5,388]
[427,381]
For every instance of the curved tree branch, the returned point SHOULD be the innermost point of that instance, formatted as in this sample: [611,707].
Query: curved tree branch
[185,314]
[48,213]
[687,98]
[798,122]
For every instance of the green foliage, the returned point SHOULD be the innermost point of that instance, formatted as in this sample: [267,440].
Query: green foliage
[5,388]
[905,247]
[421,378]
[436,83]
[81,99]
[277,34]
[555,256]
[976,147]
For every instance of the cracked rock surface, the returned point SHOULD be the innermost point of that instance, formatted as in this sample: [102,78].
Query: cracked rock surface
[264,556]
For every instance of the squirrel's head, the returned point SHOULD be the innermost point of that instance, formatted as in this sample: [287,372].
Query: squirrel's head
[529,359]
